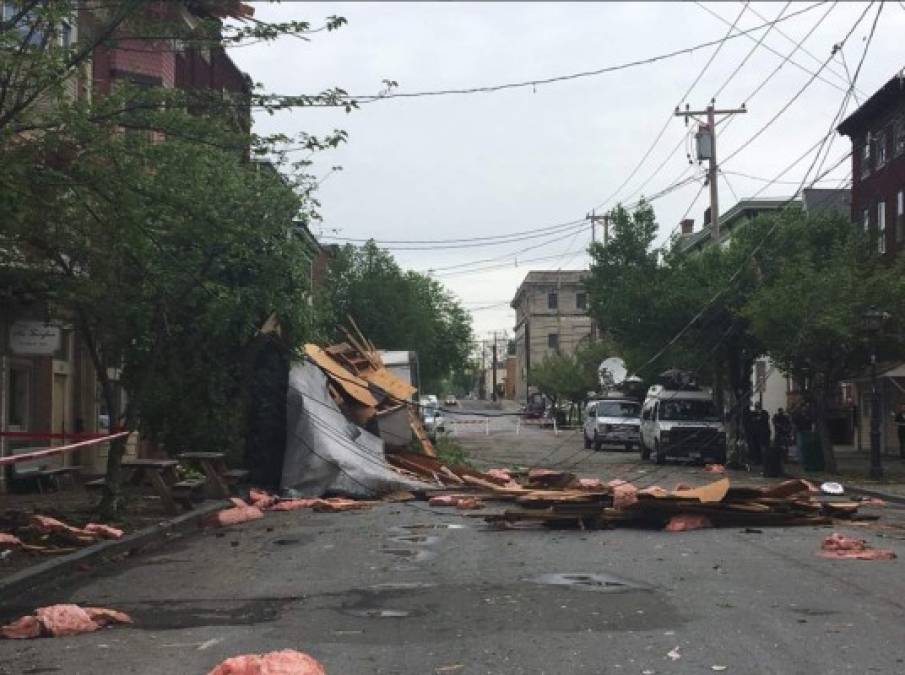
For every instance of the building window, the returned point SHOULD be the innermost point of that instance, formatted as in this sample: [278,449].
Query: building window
[553,341]
[581,300]
[900,216]
[552,300]
[17,407]
[881,149]
[881,227]
[865,158]
[898,140]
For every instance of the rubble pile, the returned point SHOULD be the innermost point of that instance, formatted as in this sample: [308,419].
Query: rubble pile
[562,499]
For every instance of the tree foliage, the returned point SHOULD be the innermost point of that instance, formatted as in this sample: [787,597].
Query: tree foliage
[569,377]
[136,217]
[790,285]
[398,310]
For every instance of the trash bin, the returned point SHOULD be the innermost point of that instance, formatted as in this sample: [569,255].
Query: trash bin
[810,451]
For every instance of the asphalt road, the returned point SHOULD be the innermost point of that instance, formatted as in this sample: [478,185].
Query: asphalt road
[402,588]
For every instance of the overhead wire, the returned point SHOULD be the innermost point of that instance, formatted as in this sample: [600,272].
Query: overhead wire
[800,91]
[751,51]
[644,157]
[534,83]
[773,50]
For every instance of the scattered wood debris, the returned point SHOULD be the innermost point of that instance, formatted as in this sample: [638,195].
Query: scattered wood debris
[367,392]
[562,499]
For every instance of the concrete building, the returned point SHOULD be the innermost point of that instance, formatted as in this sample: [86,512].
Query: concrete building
[551,316]
[877,133]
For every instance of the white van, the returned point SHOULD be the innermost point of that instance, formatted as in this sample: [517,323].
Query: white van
[681,423]
[612,421]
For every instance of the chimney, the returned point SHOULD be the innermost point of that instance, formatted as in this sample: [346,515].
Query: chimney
[687,226]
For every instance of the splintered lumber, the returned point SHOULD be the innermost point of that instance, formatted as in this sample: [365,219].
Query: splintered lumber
[353,385]
[398,389]
[421,434]
[712,492]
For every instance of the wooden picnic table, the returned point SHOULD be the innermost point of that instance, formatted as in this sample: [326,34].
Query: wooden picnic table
[215,471]
[160,473]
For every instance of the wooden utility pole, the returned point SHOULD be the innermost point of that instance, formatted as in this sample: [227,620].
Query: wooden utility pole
[706,149]
[493,365]
[594,218]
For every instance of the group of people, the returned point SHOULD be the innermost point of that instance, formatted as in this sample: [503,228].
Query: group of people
[759,435]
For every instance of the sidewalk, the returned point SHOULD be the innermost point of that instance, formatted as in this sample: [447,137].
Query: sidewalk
[853,471]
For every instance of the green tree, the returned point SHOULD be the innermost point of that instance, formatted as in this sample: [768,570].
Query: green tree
[137,217]
[397,309]
[818,283]
[568,378]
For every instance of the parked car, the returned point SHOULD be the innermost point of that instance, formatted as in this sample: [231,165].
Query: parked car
[434,422]
[451,400]
[612,421]
[681,423]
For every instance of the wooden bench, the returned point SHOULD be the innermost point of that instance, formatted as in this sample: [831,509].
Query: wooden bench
[188,490]
[160,473]
[217,476]
[43,470]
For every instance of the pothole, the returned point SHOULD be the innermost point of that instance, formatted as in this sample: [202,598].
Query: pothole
[378,613]
[587,581]
[401,586]
[434,526]
[420,539]
[415,555]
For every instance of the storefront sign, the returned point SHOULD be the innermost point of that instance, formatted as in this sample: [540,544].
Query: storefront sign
[34,338]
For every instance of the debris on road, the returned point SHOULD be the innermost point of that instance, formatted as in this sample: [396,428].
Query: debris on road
[60,620]
[282,662]
[239,513]
[838,546]
[89,534]
[687,521]
[714,468]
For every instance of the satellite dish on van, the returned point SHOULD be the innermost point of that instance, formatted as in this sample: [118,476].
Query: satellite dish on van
[611,372]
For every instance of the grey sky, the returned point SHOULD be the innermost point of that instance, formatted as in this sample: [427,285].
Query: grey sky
[485,164]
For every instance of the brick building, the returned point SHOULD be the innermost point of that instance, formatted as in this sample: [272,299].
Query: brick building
[47,380]
[877,133]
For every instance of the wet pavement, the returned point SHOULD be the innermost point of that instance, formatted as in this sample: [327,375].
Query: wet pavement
[408,589]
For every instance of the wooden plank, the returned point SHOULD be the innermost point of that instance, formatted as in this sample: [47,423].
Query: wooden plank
[712,492]
[353,385]
[395,387]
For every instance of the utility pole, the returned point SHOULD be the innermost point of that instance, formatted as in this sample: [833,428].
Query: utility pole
[493,393]
[594,218]
[482,389]
[705,141]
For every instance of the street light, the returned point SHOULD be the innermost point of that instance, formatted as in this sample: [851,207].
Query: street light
[873,323]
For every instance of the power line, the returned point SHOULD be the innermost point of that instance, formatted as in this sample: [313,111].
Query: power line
[804,87]
[804,50]
[751,51]
[666,124]
[515,236]
[771,49]
[572,76]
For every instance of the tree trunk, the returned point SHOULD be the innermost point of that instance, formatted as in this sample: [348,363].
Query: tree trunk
[822,426]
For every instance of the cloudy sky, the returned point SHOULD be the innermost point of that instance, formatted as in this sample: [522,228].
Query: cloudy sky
[534,159]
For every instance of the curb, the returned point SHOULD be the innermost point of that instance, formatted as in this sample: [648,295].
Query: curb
[894,499]
[60,569]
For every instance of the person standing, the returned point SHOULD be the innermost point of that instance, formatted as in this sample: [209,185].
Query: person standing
[900,426]
[782,430]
